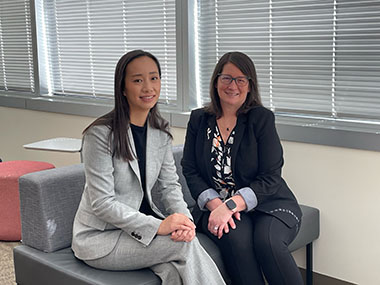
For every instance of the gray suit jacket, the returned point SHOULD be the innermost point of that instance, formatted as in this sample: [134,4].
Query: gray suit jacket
[113,193]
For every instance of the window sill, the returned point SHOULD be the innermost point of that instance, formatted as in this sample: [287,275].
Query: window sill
[65,105]
[340,134]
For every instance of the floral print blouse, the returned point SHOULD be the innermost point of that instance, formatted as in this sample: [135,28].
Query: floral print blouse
[221,164]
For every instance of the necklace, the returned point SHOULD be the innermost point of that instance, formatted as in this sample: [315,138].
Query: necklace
[225,125]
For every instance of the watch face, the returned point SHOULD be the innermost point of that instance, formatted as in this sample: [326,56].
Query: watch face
[231,204]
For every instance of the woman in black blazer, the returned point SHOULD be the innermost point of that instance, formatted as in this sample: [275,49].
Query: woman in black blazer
[232,163]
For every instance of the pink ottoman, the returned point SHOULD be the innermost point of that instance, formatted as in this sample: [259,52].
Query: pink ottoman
[10,171]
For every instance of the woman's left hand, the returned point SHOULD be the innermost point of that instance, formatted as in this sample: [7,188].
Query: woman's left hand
[219,218]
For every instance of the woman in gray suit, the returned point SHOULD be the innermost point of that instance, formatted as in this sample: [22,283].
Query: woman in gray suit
[125,153]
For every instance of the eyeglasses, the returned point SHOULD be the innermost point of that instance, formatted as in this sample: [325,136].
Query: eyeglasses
[241,81]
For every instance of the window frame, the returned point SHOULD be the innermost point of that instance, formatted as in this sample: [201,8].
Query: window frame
[321,134]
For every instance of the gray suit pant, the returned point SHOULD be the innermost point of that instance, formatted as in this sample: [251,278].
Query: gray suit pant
[174,262]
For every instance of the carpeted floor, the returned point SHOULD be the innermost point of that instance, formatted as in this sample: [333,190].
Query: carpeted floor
[7,276]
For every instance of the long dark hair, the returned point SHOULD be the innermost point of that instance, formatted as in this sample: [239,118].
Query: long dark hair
[245,64]
[118,120]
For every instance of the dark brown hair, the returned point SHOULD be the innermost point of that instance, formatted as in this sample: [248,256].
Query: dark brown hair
[245,64]
[118,120]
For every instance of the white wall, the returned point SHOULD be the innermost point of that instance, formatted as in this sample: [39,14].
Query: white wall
[343,183]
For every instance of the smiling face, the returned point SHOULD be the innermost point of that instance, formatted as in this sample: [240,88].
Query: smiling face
[231,95]
[142,84]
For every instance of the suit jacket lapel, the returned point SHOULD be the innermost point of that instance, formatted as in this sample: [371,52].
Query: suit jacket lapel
[239,132]
[152,144]
[209,135]
[134,163]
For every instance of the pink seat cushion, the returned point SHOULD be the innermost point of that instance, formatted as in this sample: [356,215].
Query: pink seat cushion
[10,171]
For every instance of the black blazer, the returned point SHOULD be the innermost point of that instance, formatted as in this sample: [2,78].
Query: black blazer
[257,159]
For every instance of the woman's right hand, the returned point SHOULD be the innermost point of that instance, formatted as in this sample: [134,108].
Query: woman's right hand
[212,205]
[175,222]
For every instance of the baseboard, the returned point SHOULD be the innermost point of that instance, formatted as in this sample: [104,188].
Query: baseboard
[320,279]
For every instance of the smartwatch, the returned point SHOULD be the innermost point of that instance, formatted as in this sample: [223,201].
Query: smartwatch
[231,205]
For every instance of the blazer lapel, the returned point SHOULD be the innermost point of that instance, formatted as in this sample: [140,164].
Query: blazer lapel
[239,132]
[152,143]
[209,135]
[134,163]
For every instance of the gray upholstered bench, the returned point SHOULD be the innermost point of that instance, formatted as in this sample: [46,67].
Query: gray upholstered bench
[49,200]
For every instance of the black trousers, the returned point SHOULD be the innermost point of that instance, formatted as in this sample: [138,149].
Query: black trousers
[258,245]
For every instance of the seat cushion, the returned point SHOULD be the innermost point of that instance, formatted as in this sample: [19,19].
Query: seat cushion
[309,230]
[34,267]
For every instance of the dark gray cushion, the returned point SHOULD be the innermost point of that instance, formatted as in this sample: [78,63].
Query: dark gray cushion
[309,230]
[48,202]
[34,267]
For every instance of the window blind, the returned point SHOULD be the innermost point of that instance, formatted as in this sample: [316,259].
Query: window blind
[232,25]
[314,58]
[84,39]
[16,55]
[357,62]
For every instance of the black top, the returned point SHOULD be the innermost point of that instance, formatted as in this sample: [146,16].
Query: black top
[139,137]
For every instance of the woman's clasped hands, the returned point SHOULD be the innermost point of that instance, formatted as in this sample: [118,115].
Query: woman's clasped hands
[179,226]
[221,218]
